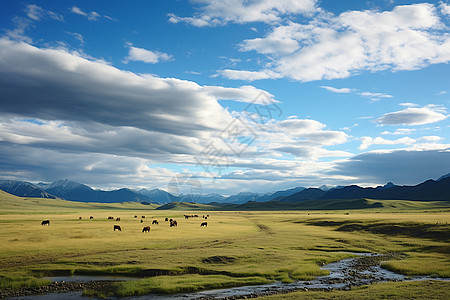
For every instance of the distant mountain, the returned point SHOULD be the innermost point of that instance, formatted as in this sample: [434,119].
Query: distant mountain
[427,191]
[158,196]
[285,193]
[200,198]
[242,197]
[24,189]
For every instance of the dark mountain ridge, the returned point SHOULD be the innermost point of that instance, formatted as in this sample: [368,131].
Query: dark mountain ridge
[429,190]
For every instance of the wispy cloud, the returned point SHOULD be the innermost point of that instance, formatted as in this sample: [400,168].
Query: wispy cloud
[248,75]
[37,13]
[337,90]
[91,15]
[373,96]
[77,36]
[400,131]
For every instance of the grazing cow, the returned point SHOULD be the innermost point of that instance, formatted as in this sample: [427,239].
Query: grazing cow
[204,224]
[117,219]
[155,222]
[117,227]
[45,222]
[167,219]
[206,218]
[91,217]
[135,216]
[170,220]
[110,218]
[143,217]
[173,223]
[80,218]
[142,221]
[146,229]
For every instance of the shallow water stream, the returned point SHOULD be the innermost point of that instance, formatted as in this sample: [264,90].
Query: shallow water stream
[344,274]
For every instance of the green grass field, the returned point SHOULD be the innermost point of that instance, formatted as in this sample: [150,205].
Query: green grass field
[237,248]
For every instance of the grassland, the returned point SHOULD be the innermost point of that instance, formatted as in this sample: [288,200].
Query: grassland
[237,247]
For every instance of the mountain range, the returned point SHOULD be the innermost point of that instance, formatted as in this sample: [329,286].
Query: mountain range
[70,190]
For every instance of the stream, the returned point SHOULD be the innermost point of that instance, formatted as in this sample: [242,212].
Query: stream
[344,274]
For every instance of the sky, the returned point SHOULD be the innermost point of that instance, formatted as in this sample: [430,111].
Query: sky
[224,96]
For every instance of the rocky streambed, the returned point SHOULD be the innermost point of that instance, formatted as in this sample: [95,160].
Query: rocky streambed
[344,274]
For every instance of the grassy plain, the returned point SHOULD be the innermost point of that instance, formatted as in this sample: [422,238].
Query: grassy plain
[237,248]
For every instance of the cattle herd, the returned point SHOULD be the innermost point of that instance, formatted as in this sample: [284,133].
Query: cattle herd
[172,222]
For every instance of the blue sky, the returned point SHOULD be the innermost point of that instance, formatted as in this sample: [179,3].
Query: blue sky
[238,95]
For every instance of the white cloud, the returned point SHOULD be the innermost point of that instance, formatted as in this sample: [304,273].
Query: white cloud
[445,8]
[217,13]
[408,37]
[147,56]
[337,90]
[248,75]
[414,116]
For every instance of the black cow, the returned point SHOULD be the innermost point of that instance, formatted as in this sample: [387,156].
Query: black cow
[45,222]
[117,227]
[91,217]
[204,224]
[155,222]
[167,219]
[173,223]
[146,229]
[117,219]
[110,218]
[143,217]
[80,218]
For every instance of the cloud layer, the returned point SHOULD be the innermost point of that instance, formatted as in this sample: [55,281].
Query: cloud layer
[218,13]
